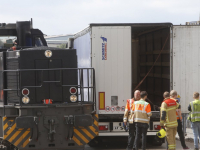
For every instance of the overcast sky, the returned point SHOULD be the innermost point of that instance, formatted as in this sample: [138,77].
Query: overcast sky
[55,17]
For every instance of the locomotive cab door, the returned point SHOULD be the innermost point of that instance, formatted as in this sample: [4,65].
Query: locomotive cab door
[51,88]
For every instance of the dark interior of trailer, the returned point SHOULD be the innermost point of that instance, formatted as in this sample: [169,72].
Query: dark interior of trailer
[147,43]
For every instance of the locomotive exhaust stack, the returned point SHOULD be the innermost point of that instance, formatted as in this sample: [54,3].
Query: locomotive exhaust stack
[24,33]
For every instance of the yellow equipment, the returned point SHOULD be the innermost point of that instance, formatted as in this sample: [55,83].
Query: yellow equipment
[161,133]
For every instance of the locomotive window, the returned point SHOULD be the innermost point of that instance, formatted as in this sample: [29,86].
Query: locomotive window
[7,41]
[38,42]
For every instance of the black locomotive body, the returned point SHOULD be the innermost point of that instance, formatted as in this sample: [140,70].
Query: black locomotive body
[42,97]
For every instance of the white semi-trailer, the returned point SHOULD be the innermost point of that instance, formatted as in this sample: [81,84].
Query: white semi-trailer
[122,55]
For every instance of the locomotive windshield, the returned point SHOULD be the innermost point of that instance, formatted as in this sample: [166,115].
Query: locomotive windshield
[7,42]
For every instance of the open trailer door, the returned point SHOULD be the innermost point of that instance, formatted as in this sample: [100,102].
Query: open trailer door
[186,61]
[111,50]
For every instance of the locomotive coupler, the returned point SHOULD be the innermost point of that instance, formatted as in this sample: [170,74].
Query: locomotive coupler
[52,130]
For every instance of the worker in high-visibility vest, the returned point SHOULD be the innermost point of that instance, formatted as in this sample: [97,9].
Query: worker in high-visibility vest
[128,118]
[173,95]
[169,120]
[141,111]
[194,108]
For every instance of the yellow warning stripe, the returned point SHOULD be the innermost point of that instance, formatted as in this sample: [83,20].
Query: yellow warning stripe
[4,118]
[14,136]
[93,129]
[5,126]
[21,138]
[10,131]
[77,141]
[81,136]
[96,115]
[26,142]
[96,123]
[88,133]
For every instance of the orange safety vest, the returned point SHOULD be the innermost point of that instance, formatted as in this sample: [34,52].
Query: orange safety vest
[129,104]
[142,111]
[127,115]
[176,110]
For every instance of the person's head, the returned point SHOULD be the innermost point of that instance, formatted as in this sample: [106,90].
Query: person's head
[137,94]
[143,95]
[166,94]
[196,95]
[173,94]
[15,42]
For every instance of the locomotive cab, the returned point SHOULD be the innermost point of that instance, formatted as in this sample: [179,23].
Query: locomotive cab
[46,101]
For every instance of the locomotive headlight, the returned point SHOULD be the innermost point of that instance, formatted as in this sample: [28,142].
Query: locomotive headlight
[25,100]
[73,98]
[48,53]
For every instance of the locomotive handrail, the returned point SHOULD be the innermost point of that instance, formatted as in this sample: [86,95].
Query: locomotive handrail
[53,69]
[79,85]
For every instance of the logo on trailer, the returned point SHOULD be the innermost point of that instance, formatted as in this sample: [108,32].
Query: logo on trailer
[104,48]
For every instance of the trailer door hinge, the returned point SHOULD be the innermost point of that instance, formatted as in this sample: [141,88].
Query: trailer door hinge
[171,84]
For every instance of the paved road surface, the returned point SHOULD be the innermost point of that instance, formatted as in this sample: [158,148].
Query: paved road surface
[117,146]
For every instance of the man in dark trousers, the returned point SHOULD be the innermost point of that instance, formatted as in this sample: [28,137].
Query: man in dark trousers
[129,118]
[141,111]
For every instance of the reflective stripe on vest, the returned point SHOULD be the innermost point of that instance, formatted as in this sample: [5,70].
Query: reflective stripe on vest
[140,119]
[140,111]
[168,109]
[130,103]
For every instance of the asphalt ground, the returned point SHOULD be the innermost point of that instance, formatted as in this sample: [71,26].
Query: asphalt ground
[118,146]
